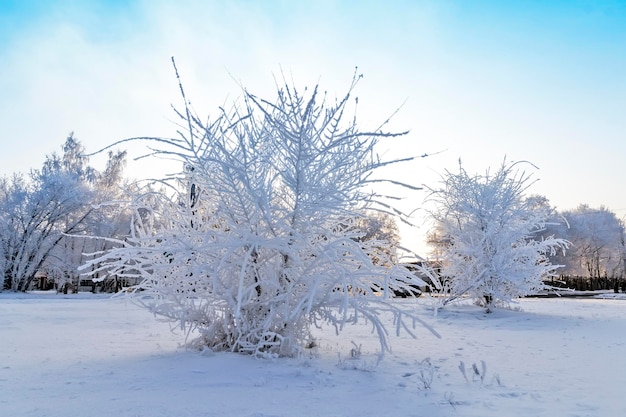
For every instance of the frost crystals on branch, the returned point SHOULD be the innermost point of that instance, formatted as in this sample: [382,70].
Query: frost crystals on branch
[259,240]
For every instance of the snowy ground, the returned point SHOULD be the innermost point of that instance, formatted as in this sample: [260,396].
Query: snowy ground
[85,355]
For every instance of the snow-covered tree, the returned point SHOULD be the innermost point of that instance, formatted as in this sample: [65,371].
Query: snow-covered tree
[597,237]
[257,241]
[380,226]
[34,217]
[109,219]
[488,233]
[43,211]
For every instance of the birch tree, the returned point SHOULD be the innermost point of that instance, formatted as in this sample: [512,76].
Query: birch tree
[35,216]
[41,214]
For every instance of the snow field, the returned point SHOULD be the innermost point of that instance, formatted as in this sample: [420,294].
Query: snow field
[84,355]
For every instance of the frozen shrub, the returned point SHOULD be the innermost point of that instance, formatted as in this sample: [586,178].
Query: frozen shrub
[257,240]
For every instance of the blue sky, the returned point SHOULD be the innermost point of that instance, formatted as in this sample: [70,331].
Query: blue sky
[543,81]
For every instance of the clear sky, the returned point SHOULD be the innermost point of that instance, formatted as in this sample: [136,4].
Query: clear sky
[543,81]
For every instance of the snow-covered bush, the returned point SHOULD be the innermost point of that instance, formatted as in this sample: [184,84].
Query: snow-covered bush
[257,239]
[488,236]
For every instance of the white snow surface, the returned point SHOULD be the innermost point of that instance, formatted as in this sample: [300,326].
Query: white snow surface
[90,355]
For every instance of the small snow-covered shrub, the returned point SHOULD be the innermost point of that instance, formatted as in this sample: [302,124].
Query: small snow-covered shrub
[425,374]
[478,375]
[489,236]
[257,240]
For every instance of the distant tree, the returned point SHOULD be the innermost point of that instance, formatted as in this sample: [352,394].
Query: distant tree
[437,241]
[487,235]
[597,237]
[40,213]
[257,241]
[35,217]
[14,193]
[378,226]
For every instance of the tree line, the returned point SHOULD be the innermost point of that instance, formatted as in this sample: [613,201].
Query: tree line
[53,216]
